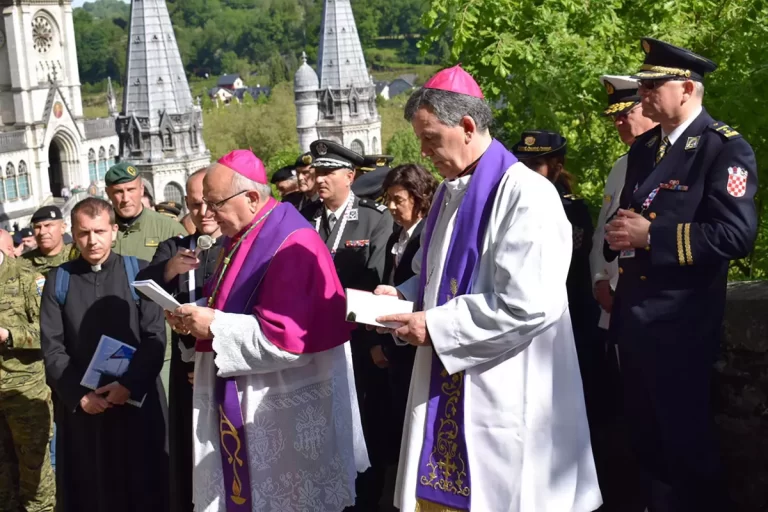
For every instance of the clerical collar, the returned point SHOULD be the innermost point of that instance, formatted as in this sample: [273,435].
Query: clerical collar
[470,168]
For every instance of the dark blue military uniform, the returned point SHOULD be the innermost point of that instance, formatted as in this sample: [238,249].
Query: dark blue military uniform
[670,300]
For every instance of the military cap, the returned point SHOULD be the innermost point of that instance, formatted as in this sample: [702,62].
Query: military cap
[538,143]
[170,208]
[622,94]
[284,173]
[121,173]
[304,160]
[664,60]
[371,184]
[26,233]
[46,213]
[329,155]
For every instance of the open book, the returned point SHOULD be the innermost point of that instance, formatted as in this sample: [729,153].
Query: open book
[365,307]
[110,362]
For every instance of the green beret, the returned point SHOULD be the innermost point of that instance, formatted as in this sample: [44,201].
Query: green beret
[121,173]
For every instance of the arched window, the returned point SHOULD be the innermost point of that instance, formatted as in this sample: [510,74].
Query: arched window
[92,172]
[167,139]
[11,191]
[173,192]
[357,147]
[329,105]
[353,106]
[375,146]
[102,163]
[136,143]
[195,142]
[112,154]
[23,180]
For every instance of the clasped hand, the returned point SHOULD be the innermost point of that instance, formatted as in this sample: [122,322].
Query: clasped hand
[627,230]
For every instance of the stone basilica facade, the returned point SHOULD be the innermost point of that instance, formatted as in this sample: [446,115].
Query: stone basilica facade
[338,102]
[47,145]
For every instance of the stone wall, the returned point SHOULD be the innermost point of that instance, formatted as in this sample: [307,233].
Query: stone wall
[741,394]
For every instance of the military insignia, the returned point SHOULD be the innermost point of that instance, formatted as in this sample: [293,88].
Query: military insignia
[306,159]
[53,214]
[530,141]
[651,142]
[131,170]
[357,243]
[607,198]
[609,88]
[646,46]
[381,162]
[737,181]
[322,149]
[151,242]
[353,214]
[726,131]
[40,283]
[674,185]
[692,143]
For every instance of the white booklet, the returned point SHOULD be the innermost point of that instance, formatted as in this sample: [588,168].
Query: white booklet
[365,307]
[110,362]
[156,294]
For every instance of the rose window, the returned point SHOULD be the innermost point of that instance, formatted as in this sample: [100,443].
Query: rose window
[42,34]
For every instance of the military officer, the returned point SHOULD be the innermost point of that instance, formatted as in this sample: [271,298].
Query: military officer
[26,476]
[48,227]
[305,173]
[687,210]
[369,180]
[356,232]
[140,229]
[170,209]
[544,152]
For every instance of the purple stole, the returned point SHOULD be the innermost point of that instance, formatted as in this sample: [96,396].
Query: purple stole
[444,476]
[283,221]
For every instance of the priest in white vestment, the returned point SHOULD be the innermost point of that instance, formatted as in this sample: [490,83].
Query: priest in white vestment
[495,419]
[276,423]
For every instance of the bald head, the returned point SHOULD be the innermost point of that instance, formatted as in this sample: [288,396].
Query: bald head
[195,182]
[232,198]
[6,243]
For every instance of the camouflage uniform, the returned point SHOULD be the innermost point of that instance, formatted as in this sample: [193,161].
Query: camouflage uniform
[43,263]
[26,476]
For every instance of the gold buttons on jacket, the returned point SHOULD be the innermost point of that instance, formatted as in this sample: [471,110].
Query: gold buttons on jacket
[643,278]
[621,270]
[652,215]
[647,247]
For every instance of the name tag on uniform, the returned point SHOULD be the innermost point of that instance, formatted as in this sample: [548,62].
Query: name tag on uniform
[151,242]
[627,253]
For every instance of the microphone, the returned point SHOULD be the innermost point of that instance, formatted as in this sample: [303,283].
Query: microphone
[204,242]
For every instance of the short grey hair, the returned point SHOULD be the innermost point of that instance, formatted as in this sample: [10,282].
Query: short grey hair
[450,107]
[240,183]
[698,89]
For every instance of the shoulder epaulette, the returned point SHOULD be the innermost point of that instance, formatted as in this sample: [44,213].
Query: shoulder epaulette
[726,131]
[372,205]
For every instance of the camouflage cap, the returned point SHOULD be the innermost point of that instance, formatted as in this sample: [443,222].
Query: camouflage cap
[121,173]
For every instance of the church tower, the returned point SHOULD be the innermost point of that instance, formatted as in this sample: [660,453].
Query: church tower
[346,94]
[305,85]
[160,128]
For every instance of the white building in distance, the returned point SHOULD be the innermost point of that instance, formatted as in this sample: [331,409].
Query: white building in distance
[339,102]
[45,143]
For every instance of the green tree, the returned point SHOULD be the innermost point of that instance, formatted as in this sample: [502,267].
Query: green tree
[405,147]
[541,59]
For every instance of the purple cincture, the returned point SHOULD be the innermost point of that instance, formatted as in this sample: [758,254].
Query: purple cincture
[444,474]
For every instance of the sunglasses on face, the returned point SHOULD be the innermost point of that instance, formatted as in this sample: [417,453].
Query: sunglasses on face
[651,84]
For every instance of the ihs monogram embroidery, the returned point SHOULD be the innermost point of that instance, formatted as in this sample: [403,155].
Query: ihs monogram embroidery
[311,430]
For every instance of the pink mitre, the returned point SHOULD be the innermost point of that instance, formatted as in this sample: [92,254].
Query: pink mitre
[455,80]
[244,162]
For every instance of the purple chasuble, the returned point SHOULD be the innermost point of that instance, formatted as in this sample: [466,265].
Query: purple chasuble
[444,476]
[280,223]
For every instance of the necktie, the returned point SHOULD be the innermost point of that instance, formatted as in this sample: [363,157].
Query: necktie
[662,151]
[331,220]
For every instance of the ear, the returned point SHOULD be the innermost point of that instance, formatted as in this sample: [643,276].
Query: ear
[688,89]
[253,197]
[114,232]
[469,125]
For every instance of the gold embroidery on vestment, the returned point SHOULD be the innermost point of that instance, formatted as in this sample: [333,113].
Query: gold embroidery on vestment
[227,429]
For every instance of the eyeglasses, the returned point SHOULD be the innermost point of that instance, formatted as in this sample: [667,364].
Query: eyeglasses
[650,84]
[624,115]
[215,207]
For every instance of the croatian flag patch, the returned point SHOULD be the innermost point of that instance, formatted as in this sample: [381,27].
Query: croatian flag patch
[737,181]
